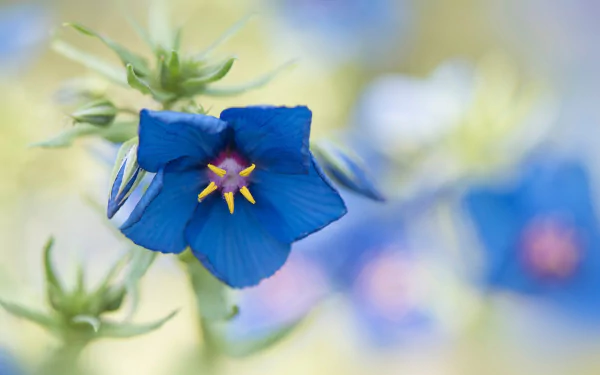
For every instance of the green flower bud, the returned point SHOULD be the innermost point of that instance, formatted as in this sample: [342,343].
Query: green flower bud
[101,112]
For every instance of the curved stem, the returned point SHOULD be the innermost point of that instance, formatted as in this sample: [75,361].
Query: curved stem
[130,111]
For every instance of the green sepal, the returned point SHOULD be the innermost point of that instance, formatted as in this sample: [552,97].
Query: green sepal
[46,321]
[92,321]
[211,74]
[105,69]
[109,329]
[54,287]
[143,86]
[170,71]
[127,57]
[118,132]
[140,263]
[261,81]
[224,37]
[159,25]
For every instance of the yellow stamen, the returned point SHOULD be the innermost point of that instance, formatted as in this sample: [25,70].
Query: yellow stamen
[209,189]
[218,171]
[246,172]
[229,199]
[246,193]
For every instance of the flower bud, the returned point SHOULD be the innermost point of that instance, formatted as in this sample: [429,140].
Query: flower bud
[127,175]
[101,112]
[348,171]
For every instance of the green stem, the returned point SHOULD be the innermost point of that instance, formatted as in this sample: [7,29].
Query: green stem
[64,360]
[130,111]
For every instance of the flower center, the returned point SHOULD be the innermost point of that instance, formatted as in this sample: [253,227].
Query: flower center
[550,248]
[229,173]
[387,284]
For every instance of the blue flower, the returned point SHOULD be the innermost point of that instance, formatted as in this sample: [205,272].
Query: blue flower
[370,259]
[540,234]
[202,163]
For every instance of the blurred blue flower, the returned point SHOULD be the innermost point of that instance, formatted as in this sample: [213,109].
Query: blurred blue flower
[260,149]
[280,301]
[541,235]
[8,365]
[370,259]
[367,31]
[23,28]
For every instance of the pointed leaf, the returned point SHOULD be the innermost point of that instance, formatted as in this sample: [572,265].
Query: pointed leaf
[177,39]
[54,288]
[107,70]
[141,261]
[51,277]
[42,319]
[240,89]
[127,57]
[170,71]
[214,73]
[136,82]
[174,66]
[89,320]
[139,30]
[144,87]
[118,132]
[225,36]
[124,330]
[159,24]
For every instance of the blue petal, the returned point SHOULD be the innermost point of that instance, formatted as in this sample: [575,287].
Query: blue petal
[498,219]
[158,222]
[235,248]
[274,138]
[558,187]
[293,206]
[166,136]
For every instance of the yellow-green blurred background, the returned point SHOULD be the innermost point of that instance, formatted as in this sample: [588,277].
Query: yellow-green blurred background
[528,57]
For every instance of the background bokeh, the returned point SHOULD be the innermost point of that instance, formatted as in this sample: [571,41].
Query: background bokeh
[477,118]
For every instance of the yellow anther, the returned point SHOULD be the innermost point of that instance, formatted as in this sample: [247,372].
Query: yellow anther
[209,189]
[246,172]
[229,200]
[218,171]
[246,193]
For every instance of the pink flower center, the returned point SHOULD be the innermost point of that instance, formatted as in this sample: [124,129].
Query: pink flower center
[550,248]
[233,164]
[388,285]
[228,173]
